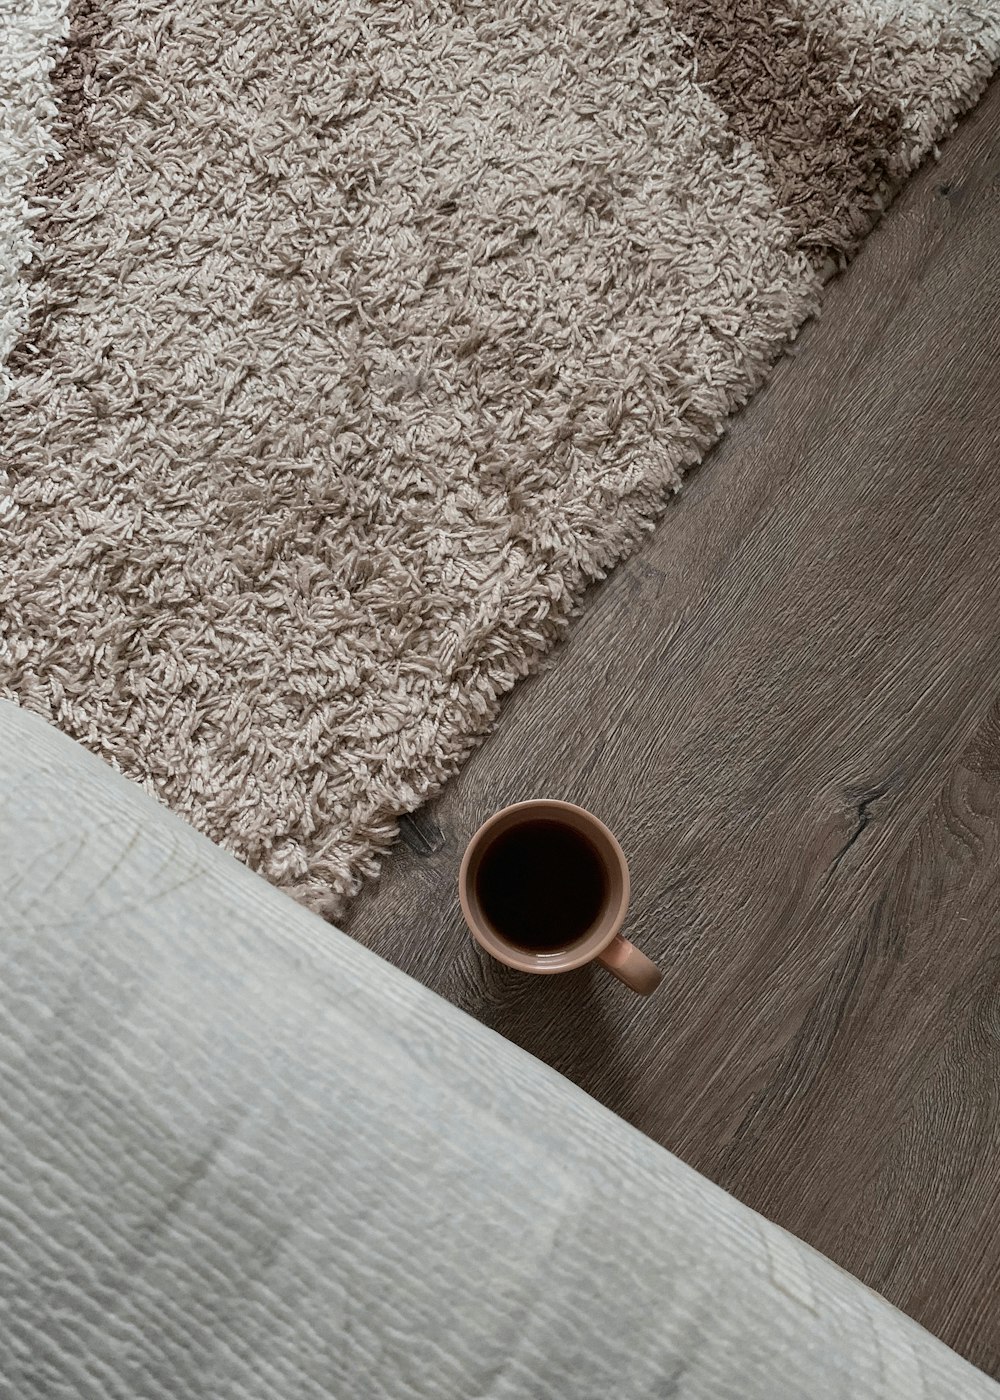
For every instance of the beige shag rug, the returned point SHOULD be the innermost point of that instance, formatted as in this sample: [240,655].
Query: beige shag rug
[363,336]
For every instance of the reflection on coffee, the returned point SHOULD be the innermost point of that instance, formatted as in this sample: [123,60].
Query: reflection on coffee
[542,884]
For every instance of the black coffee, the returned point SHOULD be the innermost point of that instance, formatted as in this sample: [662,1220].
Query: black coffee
[541,884]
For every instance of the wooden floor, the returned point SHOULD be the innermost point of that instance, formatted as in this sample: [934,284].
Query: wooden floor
[786,707]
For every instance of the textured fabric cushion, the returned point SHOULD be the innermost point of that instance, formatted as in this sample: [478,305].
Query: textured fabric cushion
[241,1157]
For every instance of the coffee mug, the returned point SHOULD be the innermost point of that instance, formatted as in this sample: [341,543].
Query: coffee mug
[544,888]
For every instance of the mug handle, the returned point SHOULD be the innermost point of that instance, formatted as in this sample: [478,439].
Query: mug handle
[624,961]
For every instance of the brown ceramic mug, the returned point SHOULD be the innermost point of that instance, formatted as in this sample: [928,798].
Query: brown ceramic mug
[544,887]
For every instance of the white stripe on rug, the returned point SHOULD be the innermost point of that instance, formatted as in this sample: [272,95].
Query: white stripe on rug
[32,33]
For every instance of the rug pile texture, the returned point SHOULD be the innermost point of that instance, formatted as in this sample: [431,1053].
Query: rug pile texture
[361,337]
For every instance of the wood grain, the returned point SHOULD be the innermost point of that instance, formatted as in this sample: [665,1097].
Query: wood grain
[782,705]
[884,1117]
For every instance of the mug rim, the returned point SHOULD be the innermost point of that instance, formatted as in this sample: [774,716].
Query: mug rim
[582,950]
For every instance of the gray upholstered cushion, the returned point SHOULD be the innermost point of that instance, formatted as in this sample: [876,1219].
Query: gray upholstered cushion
[241,1157]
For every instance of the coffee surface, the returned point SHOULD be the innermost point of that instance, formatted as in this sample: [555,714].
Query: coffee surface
[542,885]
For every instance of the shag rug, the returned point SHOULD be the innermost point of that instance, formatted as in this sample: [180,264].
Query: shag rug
[361,337]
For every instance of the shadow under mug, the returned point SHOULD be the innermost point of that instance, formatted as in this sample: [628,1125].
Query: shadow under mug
[603,939]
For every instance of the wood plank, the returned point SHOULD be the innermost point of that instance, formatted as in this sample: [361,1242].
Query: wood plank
[764,703]
[878,1138]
